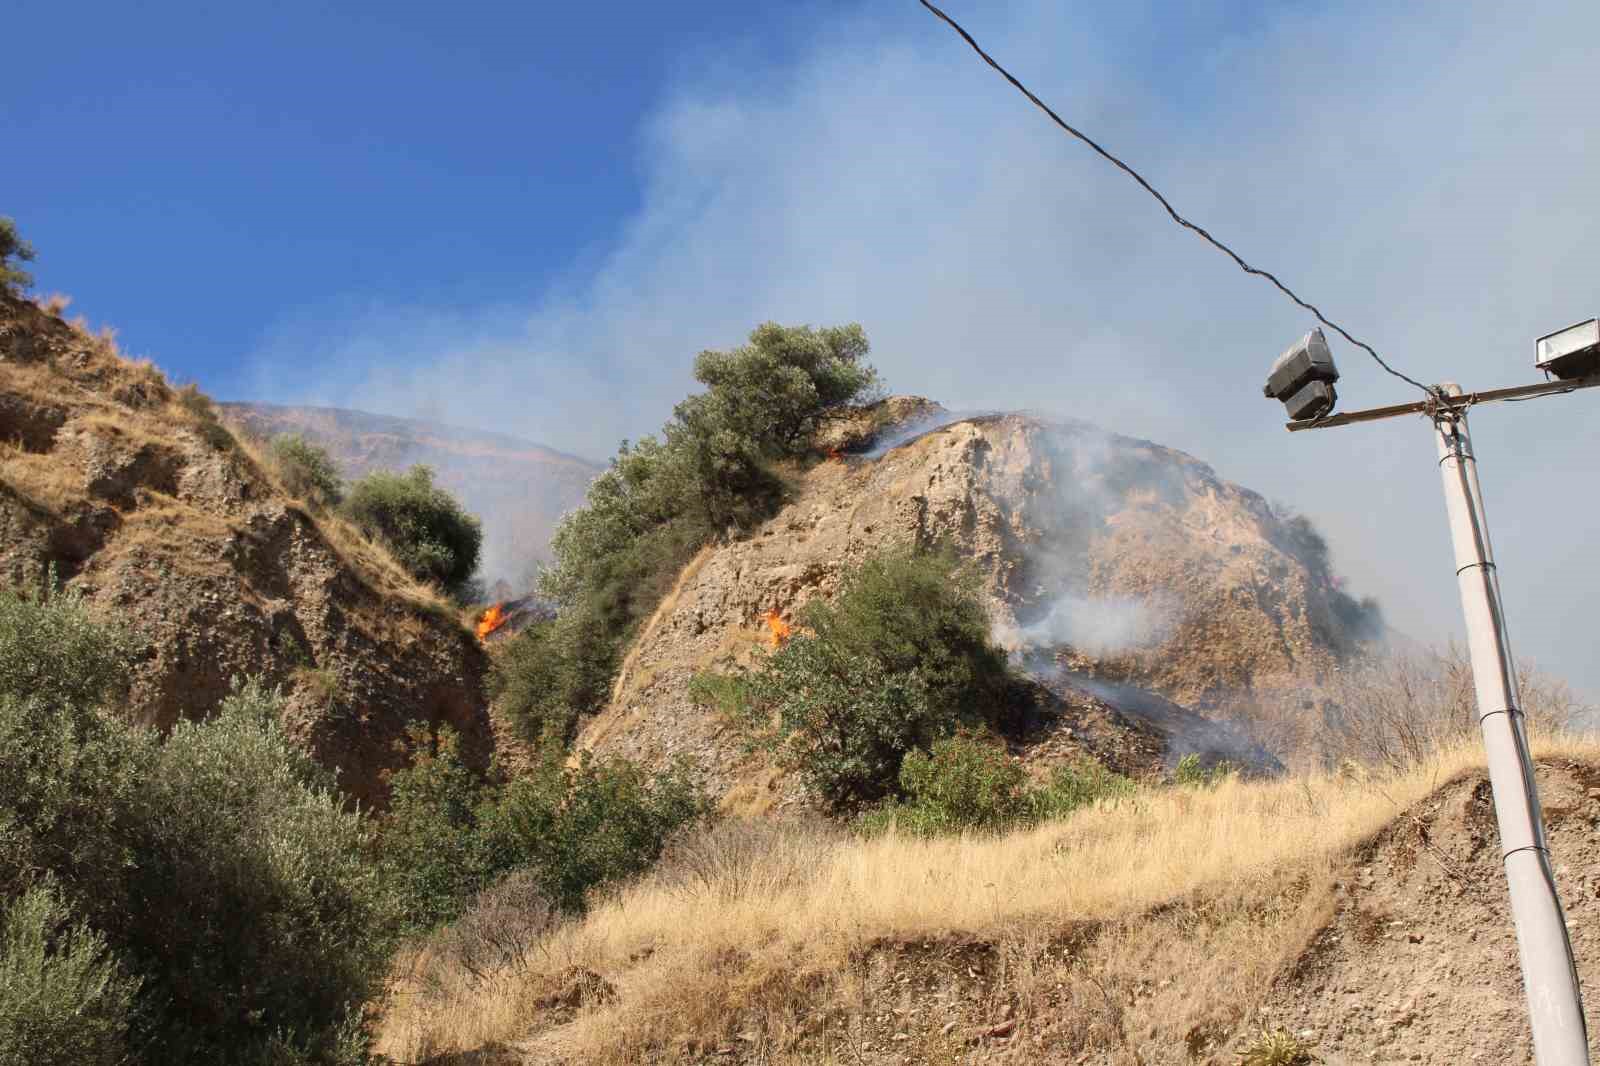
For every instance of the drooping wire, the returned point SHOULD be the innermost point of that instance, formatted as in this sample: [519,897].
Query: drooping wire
[1540,396]
[1179,219]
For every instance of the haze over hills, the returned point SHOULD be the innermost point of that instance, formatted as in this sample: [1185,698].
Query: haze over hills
[519,488]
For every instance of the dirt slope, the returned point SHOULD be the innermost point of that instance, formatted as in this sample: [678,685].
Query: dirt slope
[1112,563]
[152,509]
[519,488]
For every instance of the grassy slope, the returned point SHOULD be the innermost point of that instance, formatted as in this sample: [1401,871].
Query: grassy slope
[1221,889]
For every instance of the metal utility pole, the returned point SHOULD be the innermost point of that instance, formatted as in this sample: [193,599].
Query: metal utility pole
[1549,975]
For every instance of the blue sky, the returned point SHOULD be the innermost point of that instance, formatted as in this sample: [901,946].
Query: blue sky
[199,170]
[533,218]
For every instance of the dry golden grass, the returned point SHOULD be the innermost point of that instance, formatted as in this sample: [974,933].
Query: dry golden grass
[52,303]
[1222,886]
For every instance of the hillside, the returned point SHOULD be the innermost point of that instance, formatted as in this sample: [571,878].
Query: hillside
[520,489]
[135,494]
[1135,584]
[1363,917]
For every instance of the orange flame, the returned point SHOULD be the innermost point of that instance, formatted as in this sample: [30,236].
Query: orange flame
[491,620]
[778,630]
[836,455]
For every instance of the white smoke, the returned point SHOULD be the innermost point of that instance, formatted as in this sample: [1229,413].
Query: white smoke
[1100,626]
[886,177]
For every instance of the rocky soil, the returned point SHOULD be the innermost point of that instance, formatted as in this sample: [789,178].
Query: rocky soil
[144,502]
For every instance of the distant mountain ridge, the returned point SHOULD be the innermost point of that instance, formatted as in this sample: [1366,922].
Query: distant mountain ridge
[519,488]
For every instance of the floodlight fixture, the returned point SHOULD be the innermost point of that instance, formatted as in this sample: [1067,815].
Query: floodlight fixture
[1570,353]
[1302,378]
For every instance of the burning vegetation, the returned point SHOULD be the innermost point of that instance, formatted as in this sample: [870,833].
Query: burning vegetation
[491,620]
[777,630]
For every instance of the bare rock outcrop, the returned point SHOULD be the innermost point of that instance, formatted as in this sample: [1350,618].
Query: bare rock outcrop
[138,497]
[1106,561]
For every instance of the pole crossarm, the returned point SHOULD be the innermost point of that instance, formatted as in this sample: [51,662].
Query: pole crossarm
[1443,403]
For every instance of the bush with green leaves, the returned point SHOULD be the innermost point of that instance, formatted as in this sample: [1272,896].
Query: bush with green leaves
[218,867]
[261,915]
[712,472]
[1077,784]
[586,826]
[450,834]
[900,658]
[13,249]
[53,652]
[431,846]
[1191,771]
[307,470]
[64,999]
[962,783]
[968,783]
[426,528]
[549,674]
[69,774]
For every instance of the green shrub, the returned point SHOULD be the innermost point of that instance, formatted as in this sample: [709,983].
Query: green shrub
[962,783]
[425,527]
[308,471]
[53,651]
[967,783]
[1077,785]
[430,840]
[259,914]
[68,774]
[13,249]
[899,659]
[569,830]
[727,694]
[545,676]
[711,473]
[1191,772]
[219,866]
[584,827]
[64,1001]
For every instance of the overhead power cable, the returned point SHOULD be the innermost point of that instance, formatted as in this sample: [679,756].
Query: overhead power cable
[1179,219]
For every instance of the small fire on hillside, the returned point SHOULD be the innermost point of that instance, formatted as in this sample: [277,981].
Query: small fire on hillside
[491,620]
[777,630]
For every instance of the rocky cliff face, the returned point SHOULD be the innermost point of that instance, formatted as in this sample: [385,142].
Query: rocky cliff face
[136,495]
[1132,580]
[520,489]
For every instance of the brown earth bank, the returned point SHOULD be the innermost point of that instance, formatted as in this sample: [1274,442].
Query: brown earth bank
[1362,919]
[520,489]
[135,494]
[1129,578]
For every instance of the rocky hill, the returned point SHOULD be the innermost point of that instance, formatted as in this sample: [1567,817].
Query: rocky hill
[1136,584]
[517,487]
[137,495]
